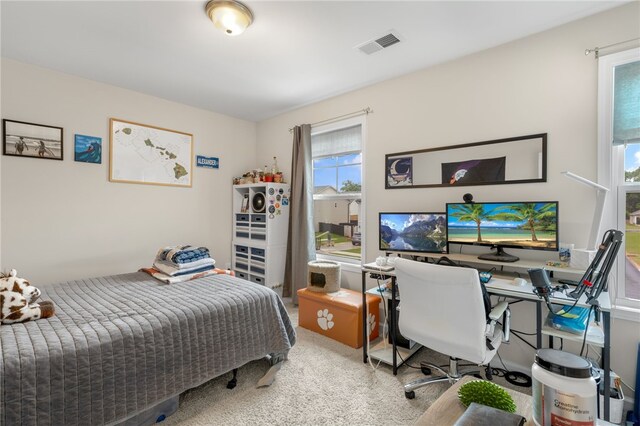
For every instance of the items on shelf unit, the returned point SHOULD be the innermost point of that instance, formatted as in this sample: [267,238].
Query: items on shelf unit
[260,227]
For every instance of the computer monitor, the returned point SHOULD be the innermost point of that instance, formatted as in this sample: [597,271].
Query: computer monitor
[523,225]
[413,232]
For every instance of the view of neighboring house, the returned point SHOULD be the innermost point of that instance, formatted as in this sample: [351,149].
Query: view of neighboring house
[634,218]
[336,212]
[336,221]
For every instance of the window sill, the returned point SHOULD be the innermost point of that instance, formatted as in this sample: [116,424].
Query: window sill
[626,313]
[350,265]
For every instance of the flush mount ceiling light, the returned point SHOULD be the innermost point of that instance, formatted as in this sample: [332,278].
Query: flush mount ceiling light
[230,16]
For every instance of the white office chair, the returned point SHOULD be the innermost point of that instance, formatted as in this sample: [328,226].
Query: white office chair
[442,308]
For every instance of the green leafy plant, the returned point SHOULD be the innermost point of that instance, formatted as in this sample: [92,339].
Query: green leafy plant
[486,393]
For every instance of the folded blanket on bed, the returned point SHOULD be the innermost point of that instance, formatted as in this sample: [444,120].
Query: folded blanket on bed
[182,254]
[169,270]
[174,267]
[182,278]
[190,265]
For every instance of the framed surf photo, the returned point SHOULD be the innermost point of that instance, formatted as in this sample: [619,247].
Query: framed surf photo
[88,149]
[22,139]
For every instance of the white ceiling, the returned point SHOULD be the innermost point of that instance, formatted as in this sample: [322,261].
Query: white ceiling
[295,53]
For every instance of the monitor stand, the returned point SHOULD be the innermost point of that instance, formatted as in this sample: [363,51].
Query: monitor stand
[499,256]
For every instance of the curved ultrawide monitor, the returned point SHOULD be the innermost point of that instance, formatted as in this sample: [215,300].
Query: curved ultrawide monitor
[523,225]
[413,232]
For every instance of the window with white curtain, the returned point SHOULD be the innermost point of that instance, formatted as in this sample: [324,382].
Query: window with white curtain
[619,166]
[337,196]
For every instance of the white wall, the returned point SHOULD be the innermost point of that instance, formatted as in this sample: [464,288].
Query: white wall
[64,220]
[542,83]
[1,268]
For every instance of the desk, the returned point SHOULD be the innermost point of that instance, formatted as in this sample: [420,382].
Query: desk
[385,273]
[448,408]
[504,287]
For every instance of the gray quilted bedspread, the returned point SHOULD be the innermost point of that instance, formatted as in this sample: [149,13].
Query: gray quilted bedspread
[123,343]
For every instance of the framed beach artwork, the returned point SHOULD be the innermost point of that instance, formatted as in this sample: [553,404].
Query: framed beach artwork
[140,153]
[22,139]
[88,149]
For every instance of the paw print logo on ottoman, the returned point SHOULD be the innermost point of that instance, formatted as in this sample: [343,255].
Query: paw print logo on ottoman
[325,319]
[371,319]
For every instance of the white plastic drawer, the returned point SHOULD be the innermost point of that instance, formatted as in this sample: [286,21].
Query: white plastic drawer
[256,279]
[242,249]
[258,218]
[243,217]
[257,269]
[257,252]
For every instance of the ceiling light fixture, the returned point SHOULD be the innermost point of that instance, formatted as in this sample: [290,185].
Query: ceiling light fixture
[230,16]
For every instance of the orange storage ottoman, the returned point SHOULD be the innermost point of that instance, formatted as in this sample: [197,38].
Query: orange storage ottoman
[338,315]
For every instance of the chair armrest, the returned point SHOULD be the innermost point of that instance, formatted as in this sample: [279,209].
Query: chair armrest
[498,310]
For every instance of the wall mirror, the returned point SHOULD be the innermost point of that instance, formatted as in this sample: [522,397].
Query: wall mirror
[521,159]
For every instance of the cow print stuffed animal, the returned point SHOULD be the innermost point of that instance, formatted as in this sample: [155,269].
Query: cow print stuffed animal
[18,300]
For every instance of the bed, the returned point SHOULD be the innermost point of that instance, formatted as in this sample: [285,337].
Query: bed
[119,345]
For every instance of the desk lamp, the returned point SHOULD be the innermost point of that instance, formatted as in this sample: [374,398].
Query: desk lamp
[582,258]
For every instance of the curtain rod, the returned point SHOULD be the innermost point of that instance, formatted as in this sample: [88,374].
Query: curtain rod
[598,49]
[366,110]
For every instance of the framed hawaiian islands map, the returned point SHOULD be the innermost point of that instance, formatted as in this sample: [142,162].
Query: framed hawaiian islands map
[140,153]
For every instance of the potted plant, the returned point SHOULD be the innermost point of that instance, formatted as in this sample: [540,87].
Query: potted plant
[268,177]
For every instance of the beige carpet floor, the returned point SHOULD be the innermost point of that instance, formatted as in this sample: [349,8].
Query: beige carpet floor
[323,383]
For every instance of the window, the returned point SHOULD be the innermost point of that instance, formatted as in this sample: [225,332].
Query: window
[619,166]
[336,150]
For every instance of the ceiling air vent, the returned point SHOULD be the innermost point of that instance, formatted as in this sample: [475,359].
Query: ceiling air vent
[380,43]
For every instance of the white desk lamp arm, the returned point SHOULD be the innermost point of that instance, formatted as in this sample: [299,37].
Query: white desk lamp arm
[601,195]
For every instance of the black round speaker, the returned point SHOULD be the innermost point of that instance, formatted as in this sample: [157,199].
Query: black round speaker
[258,202]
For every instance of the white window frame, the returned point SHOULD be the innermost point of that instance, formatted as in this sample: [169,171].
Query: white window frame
[610,163]
[348,264]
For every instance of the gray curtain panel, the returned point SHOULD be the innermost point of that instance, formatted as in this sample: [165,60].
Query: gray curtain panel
[301,242]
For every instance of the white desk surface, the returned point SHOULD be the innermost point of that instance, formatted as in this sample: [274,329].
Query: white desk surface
[473,258]
[520,264]
[504,287]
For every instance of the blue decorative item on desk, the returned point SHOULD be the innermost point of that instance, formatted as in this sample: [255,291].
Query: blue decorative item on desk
[485,277]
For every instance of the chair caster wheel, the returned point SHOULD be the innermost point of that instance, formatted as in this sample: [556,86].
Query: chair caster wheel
[426,371]
[410,395]
[489,373]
